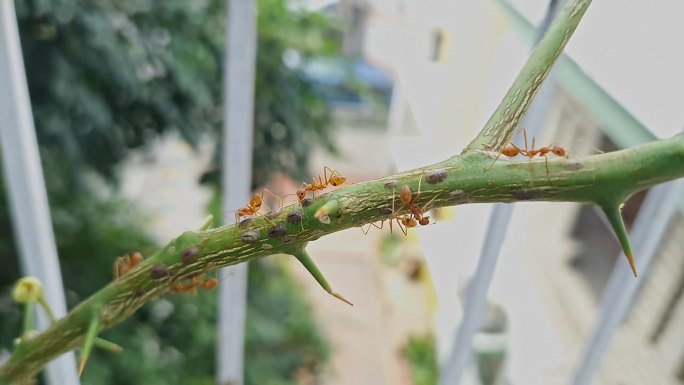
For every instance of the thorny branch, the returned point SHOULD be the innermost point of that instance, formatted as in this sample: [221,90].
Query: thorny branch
[605,180]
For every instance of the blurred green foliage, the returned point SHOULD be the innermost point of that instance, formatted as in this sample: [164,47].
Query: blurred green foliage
[110,76]
[421,353]
[173,341]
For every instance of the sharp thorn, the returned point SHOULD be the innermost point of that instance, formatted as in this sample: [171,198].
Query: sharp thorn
[311,267]
[341,298]
[89,342]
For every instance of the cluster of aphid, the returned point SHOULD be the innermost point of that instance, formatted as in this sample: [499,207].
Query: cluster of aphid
[125,264]
[412,216]
[415,216]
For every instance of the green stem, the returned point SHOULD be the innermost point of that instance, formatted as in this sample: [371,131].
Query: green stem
[597,179]
[459,180]
[47,308]
[500,127]
[28,317]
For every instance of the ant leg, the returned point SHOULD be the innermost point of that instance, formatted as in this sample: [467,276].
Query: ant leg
[422,210]
[495,159]
[311,267]
[326,179]
[402,227]
[420,180]
[118,267]
[277,197]
[365,232]
[265,217]
[528,151]
[393,211]
[546,163]
[333,173]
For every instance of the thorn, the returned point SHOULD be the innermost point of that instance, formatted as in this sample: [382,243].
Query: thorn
[612,212]
[208,221]
[311,267]
[630,259]
[91,335]
[341,298]
[109,346]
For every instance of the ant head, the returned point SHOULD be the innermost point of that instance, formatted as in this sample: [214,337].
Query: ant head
[337,180]
[301,194]
[424,221]
[559,151]
[510,150]
[406,195]
[255,201]
[136,258]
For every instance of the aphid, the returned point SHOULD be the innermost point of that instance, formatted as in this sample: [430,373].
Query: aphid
[335,179]
[159,271]
[295,217]
[250,236]
[188,255]
[277,231]
[510,150]
[125,264]
[255,203]
[436,176]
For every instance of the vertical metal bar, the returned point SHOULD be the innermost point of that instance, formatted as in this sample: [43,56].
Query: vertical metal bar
[476,297]
[649,229]
[24,180]
[236,178]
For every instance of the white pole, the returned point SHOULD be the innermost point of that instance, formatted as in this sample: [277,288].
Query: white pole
[650,227]
[24,180]
[236,178]
[476,298]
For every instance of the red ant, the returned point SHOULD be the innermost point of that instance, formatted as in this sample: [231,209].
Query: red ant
[417,214]
[207,284]
[335,179]
[406,221]
[510,150]
[254,205]
[125,264]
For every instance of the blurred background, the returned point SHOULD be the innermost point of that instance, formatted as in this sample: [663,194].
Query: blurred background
[128,103]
